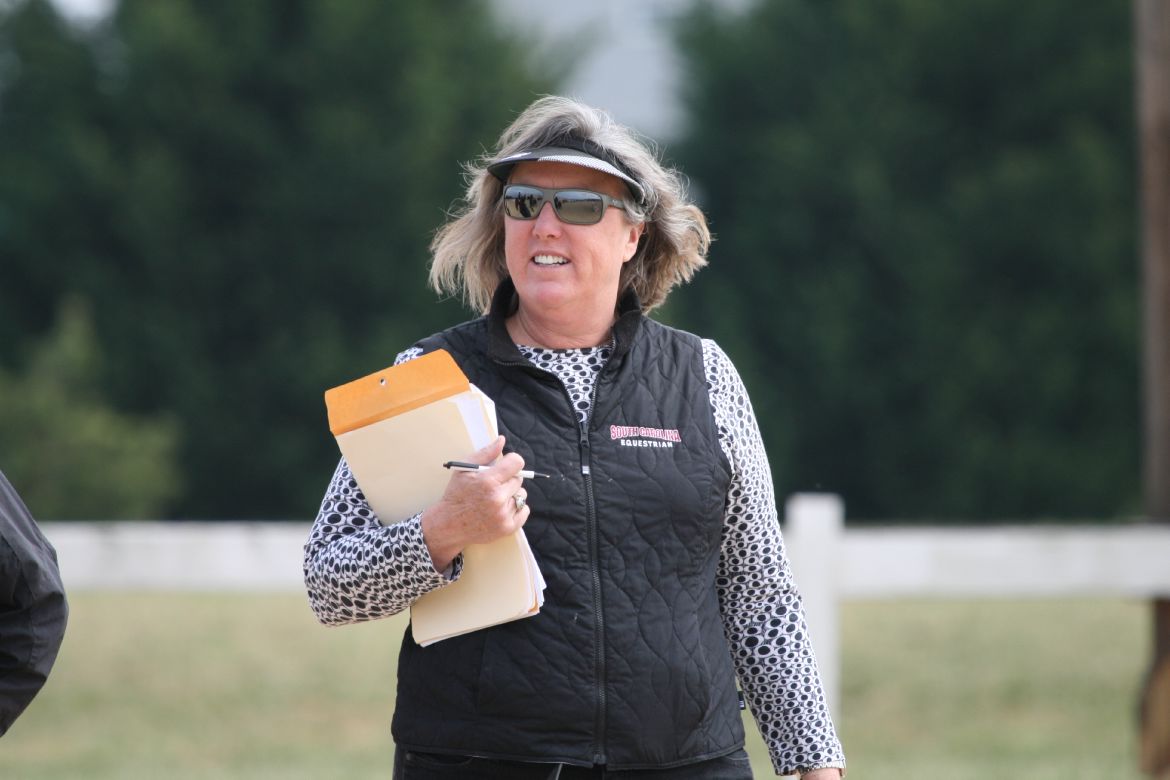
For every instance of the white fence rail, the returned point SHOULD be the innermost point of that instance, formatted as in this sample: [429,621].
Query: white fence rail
[182,556]
[831,563]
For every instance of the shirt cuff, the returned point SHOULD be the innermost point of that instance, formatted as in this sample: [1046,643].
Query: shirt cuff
[824,765]
[454,569]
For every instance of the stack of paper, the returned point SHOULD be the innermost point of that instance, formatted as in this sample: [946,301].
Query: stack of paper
[396,428]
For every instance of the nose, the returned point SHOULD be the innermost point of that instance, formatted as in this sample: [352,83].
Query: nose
[547,221]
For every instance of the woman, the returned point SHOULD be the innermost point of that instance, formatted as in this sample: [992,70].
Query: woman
[658,538]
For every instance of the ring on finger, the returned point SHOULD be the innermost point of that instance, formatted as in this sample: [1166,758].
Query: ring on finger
[520,501]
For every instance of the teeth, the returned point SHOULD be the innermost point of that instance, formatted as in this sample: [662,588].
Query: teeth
[549,260]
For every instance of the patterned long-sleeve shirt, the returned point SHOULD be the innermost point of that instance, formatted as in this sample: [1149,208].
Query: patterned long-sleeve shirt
[358,569]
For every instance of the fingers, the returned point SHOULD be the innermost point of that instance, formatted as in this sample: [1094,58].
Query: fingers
[509,466]
[505,468]
[521,510]
[504,504]
[488,454]
[521,517]
[478,506]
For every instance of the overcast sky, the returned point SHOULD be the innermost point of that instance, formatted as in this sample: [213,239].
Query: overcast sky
[629,66]
[84,10]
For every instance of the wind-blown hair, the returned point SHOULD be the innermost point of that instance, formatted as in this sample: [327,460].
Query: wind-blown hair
[468,251]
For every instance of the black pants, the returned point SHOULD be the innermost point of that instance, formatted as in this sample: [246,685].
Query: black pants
[410,765]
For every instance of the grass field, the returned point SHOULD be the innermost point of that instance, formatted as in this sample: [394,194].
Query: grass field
[249,686]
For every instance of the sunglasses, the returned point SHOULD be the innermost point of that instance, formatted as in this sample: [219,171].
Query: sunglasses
[576,207]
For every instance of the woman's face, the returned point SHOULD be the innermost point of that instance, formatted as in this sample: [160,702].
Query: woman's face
[568,271]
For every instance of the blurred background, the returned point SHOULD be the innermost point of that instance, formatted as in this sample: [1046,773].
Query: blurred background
[925,262]
[925,266]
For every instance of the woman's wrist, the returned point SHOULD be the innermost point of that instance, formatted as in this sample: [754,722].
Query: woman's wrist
[442,554]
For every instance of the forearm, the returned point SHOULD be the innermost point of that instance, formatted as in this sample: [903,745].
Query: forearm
[773,657]
[763,617]
[357,569]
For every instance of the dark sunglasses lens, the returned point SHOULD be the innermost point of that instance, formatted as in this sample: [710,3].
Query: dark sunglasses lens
[579,207]
[522,202]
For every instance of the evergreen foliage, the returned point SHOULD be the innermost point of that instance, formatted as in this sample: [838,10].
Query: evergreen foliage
[69,454]
[245,192]
[925,260]
[924,267]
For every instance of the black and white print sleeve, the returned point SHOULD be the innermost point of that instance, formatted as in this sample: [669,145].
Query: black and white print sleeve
[357,568]
[763,616]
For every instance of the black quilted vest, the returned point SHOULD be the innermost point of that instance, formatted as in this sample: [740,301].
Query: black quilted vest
[627,663]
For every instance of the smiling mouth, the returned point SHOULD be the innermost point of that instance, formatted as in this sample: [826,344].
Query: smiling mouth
[549,260]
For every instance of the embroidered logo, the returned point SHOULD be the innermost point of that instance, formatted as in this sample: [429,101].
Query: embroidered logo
[641,436]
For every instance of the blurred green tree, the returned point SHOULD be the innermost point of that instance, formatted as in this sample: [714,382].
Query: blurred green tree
[925,261]
[68,453]
[246,192]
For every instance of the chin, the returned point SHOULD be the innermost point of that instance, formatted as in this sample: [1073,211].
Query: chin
[547,299]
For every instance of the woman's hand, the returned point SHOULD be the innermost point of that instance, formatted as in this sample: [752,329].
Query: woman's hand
[477,506]
[822,774]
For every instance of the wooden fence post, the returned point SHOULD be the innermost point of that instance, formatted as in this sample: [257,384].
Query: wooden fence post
[813,529]
[1152,61]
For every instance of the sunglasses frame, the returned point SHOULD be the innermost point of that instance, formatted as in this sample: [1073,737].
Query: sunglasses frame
[548,195]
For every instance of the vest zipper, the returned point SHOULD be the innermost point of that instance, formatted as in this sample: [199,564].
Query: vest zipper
[592,534]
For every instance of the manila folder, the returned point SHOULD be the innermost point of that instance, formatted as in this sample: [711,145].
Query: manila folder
[396,428]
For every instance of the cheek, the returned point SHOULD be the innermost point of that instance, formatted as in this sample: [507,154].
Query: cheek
[622,246]
[514,242]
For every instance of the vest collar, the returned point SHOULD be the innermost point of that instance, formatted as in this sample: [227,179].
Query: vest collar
[505,301]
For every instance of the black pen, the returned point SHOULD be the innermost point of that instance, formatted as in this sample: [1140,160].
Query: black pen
[461,466]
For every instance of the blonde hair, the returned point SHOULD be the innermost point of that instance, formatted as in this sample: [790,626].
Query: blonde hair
[468,251]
